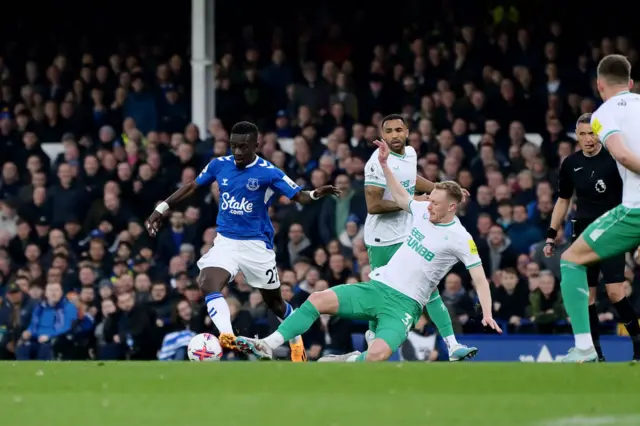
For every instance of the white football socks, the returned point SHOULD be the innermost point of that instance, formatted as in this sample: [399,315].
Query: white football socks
[274,340]
[352,358]
[220,315]
[450,341]
[584,341]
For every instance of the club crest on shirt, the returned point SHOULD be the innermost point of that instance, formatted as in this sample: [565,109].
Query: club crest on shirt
[252,184]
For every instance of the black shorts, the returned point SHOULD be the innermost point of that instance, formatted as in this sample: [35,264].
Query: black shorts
[612,269]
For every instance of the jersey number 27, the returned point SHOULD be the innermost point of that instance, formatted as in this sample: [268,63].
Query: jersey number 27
[272,274]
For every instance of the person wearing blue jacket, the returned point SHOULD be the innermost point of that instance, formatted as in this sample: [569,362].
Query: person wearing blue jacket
[52,318]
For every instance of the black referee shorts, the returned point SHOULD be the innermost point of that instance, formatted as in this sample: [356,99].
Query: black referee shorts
[612,269]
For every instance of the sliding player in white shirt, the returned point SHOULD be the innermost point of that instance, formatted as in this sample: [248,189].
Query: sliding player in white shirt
[387,225]
[397,292]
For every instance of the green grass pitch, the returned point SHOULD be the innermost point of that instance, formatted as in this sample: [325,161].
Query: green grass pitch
[279,393]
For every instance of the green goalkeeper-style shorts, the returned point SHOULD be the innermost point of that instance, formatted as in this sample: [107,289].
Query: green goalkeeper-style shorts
[395,313]
[381,255]
[615,232]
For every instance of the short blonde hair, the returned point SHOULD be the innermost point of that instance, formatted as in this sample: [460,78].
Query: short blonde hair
[615,69]
[453,190]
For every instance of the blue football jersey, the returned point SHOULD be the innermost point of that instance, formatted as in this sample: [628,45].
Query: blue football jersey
[245,196]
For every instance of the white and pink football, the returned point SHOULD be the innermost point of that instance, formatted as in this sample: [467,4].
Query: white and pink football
[204,347]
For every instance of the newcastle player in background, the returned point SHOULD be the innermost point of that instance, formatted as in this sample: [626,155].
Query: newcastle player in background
[593,175]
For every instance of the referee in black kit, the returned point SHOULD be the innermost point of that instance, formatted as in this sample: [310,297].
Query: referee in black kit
[593,175]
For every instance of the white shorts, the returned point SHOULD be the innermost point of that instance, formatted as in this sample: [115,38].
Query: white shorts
[251,257]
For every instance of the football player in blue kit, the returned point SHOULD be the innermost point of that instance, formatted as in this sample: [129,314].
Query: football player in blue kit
[248,184]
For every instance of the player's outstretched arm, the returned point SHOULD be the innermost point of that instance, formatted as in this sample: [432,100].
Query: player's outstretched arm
[484,294]
[617,146]
[284,185]
[155,220]
[206,177]
[306,197]
[399,194]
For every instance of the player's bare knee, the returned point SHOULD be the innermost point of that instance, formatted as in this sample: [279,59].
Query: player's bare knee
[616,292]
[326,301]
[592,295]
[378,351]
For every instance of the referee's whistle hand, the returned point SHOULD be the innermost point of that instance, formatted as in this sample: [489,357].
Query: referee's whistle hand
[549,247]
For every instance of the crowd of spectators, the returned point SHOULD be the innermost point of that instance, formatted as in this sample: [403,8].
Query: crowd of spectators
[79,276]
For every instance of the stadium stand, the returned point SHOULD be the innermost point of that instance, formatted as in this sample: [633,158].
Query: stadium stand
[94,134]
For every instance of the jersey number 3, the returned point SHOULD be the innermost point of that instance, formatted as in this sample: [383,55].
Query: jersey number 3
[272,274]
[408,322]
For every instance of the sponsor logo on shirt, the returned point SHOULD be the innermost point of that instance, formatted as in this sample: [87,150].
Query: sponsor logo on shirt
[413,242]
[233,206]
[406,184]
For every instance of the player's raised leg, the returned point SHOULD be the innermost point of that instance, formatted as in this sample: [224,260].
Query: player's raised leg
[355,301]
[613,234]
[298,322]
[396,316]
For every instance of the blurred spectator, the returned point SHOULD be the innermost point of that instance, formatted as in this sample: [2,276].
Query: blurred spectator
[510,299]
[15,317]
[459,303]
[51,319]
[129,331]
[546,304]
